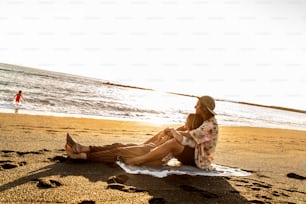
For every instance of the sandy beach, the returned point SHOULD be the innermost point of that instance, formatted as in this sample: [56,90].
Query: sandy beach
[34,167]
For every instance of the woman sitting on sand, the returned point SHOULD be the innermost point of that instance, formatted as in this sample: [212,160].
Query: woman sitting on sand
[110,153]
[202,141]
[199,143]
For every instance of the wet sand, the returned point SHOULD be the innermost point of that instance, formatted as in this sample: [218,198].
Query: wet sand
[34,167]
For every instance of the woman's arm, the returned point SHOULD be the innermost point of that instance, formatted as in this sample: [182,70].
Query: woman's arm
[154,138]
[179,135]
[160,137]
[166,131]
[183,138]
[182,128]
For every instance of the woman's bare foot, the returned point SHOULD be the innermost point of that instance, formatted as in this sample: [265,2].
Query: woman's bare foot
[75,147]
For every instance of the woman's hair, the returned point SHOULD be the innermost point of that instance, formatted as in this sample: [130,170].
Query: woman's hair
[193,121]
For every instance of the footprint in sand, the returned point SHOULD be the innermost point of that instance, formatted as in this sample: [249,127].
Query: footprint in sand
[19,153]
[87,202]
[42,151]
[58,159]
[7,151]
[8,164]
[117,179]
[256,201]
[124,188]
[262,185]
[116,182]
[47,183]
[295,176]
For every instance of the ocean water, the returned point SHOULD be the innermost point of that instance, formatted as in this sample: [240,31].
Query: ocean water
[52,93]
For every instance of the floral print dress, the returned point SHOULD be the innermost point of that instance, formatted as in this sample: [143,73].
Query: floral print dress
[204,140]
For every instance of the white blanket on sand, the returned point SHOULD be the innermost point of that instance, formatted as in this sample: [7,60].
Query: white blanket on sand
[164,171]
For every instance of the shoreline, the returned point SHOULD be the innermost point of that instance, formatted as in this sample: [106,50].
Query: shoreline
[273,107]
[37,113]
[67,115]
[35,168]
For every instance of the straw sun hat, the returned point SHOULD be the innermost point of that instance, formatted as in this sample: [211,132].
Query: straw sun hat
[208,102]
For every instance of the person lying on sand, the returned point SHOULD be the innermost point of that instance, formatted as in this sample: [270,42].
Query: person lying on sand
[199,144]
[202,141]
[110,153]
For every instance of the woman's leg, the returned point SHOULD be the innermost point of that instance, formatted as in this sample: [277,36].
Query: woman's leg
[171,146]
[153,163]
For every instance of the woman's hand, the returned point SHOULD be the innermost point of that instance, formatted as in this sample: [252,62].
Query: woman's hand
[177,135]
[167,131]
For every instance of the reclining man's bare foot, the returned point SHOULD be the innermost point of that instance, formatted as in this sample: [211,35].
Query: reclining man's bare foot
[73,155]
[75,147]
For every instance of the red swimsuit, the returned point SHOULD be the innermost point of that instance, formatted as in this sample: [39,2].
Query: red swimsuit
[18,97]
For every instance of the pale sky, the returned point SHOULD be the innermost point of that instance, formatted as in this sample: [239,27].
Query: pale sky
[247,50]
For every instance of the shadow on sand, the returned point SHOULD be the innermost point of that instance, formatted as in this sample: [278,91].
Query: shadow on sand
[171,189]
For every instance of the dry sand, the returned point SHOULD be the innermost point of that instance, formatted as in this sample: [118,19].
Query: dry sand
[34,167]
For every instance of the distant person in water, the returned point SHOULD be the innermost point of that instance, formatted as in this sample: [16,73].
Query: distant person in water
[17,100]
